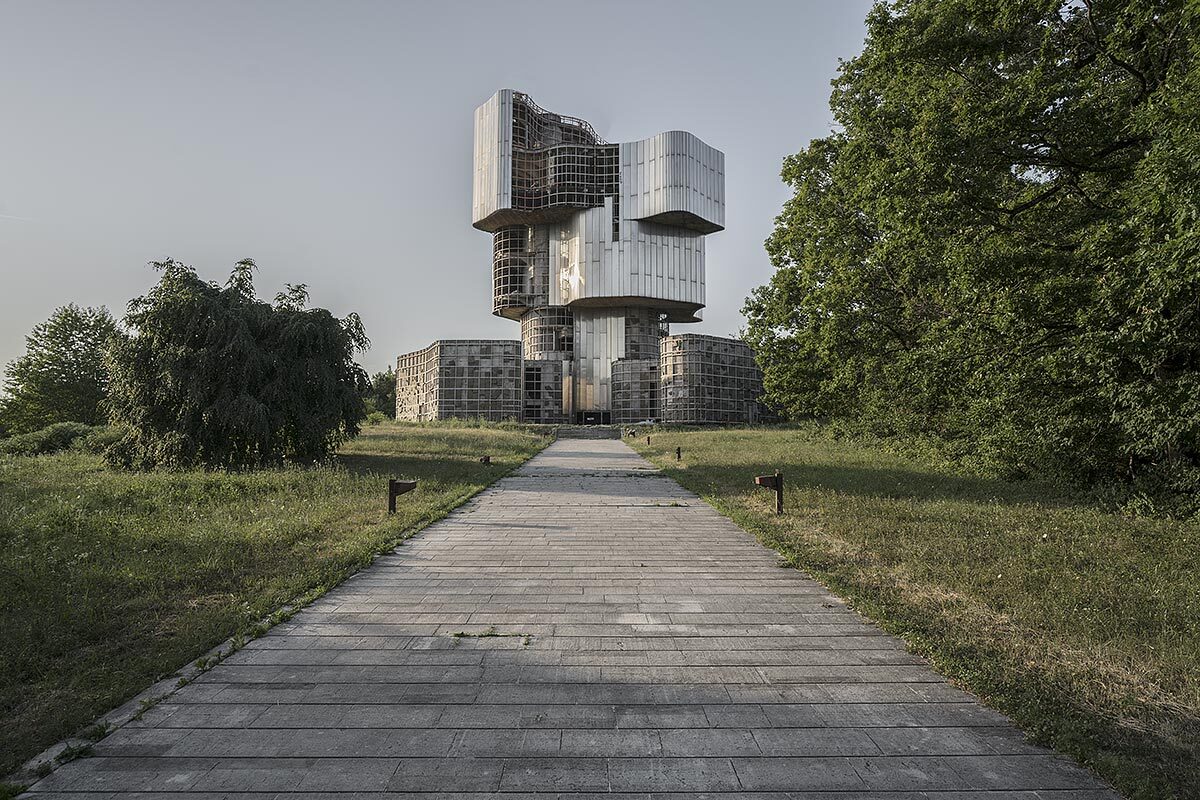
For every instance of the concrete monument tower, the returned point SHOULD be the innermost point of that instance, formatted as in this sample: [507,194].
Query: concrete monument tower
[597,248]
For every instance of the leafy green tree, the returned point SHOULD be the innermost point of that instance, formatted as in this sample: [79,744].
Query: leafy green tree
[998,244]
[212,376]
[380,393]
[62,377]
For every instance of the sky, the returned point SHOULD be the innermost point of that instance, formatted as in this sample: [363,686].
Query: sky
[331,141]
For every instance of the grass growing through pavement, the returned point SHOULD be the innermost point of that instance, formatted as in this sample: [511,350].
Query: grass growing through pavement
[111,580]
[1082,625]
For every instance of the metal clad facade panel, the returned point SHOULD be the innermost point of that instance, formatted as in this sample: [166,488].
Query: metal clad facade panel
[492,184]
[675,173]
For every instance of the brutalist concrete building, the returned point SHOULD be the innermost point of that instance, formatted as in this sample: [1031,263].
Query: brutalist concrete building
[597,248]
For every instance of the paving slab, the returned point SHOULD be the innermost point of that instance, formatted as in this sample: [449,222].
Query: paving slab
[583,628]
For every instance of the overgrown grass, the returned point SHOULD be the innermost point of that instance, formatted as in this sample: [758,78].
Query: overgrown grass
[111,580]
[1083,625]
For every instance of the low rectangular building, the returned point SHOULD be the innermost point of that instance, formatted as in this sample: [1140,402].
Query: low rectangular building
[709,380]
[696,380]
[461,379]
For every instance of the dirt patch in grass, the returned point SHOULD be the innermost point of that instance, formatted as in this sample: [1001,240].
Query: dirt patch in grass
[1082,625]
[112,580]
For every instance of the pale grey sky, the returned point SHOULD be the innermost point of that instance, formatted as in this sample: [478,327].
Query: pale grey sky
[331,141]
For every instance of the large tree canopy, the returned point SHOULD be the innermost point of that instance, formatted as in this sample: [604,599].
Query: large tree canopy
[62,376]
[999,243]
[212,376]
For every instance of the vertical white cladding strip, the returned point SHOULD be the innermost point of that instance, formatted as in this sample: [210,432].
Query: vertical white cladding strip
[660,171]
[583,363]
[482,191]
[560,264]
[581,256]
[632,188]
[652,178]
[568,384]
[660,264]
[576,280]
[643,194]
[666,259]
[601,224]
[594,279]
[505,143]
[598,235]
[719,189]
[678,160]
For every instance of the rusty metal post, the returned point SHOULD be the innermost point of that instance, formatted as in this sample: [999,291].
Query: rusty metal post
[397,488]
[678,453]
[773,482]
[647,440]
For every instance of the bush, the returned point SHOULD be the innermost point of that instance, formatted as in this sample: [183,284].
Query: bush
[213,377]
[50,439]
[376,418]
[99,440]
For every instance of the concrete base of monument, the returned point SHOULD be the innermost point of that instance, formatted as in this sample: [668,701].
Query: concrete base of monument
[589,432]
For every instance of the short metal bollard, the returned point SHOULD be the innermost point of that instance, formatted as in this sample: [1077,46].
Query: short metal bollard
[647,440]
[773,482]
[485,459]
[397,488]
[678,453]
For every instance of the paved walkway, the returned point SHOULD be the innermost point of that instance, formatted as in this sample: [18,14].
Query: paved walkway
[583,627]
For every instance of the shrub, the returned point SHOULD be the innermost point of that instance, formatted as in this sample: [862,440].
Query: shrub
[211,376]
[99,440]
[50,439]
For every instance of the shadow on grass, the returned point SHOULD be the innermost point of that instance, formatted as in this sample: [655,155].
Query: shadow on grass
[440,466]
[882,482]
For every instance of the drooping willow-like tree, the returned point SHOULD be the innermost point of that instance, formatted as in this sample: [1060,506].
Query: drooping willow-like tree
[210,376]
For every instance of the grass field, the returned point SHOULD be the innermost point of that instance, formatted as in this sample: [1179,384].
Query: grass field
[111,580]
[1082,625]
